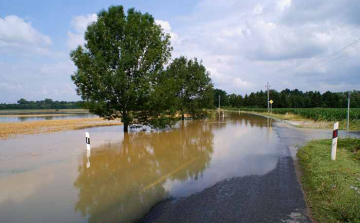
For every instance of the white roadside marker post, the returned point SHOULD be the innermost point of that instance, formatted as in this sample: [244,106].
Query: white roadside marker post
[88,149]
[87,140]
[334,140]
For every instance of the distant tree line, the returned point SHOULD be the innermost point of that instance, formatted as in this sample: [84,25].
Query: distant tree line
[288,99]
[43,104]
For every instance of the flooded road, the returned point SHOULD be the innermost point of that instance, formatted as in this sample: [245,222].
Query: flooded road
[50,177]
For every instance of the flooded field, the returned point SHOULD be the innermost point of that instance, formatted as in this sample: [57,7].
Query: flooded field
[51,178]
[9,118]
[39,115]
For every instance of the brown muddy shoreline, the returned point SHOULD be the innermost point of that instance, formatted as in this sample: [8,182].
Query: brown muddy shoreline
[15,129]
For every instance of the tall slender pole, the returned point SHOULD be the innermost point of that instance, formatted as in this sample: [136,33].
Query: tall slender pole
[219,101]
[268,97]
[348,114]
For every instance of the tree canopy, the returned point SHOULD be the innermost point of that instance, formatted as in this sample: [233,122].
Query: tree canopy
[118,66]
[189,85]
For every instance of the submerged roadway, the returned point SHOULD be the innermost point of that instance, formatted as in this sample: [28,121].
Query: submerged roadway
[274,197]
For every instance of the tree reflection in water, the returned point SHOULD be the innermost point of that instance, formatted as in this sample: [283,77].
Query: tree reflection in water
[126,180]
[248,120]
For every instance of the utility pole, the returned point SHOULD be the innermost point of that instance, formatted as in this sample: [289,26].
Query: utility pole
[219,102]
[348,114]
[268,96]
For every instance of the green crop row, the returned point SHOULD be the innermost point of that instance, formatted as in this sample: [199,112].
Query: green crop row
[317,114]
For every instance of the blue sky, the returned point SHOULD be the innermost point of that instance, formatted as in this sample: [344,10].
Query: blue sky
[290,43]
[53,17]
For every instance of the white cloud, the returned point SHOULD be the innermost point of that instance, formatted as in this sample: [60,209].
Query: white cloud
[34,81]
[283,4]
[74,40]
[17,35]
[258,9]
[167,29]
[164,24]
[10,86]
[79,24]
[240,83]
[246,43]
[61,68]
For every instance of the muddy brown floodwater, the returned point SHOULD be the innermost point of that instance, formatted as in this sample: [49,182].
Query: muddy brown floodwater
[48,178]
[40,117]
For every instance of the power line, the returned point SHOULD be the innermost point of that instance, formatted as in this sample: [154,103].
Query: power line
[336,58]
[342,49]
[312,66]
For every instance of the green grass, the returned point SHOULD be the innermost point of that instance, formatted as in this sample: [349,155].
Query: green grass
[327,183]
[354,125]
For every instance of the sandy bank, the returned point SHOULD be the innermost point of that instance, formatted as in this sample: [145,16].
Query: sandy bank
[13,129]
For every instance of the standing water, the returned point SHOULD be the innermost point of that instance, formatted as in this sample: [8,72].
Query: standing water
[48,177]
[42,117]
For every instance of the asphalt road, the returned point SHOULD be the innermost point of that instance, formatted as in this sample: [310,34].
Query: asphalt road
[273,197]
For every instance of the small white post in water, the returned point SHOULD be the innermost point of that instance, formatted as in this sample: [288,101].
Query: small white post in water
[334,140]
[87,140]
[88,149]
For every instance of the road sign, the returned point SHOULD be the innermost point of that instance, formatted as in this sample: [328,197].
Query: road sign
[271,101]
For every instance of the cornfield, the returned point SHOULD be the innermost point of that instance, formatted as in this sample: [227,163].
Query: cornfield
[317,114]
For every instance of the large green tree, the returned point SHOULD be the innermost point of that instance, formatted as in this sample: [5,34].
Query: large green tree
[189,86]
[118,65]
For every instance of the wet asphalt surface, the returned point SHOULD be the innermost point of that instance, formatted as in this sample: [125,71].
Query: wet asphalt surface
[273,197]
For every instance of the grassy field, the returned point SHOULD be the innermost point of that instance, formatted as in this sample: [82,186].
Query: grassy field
[324,117]
[332,188]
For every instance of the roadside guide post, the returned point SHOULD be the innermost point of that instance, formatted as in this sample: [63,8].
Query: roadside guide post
[334,140]
[271,102]
[88,149]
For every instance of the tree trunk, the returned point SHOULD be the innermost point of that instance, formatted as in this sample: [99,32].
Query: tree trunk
[183,117]
[126,126]
[125,120]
